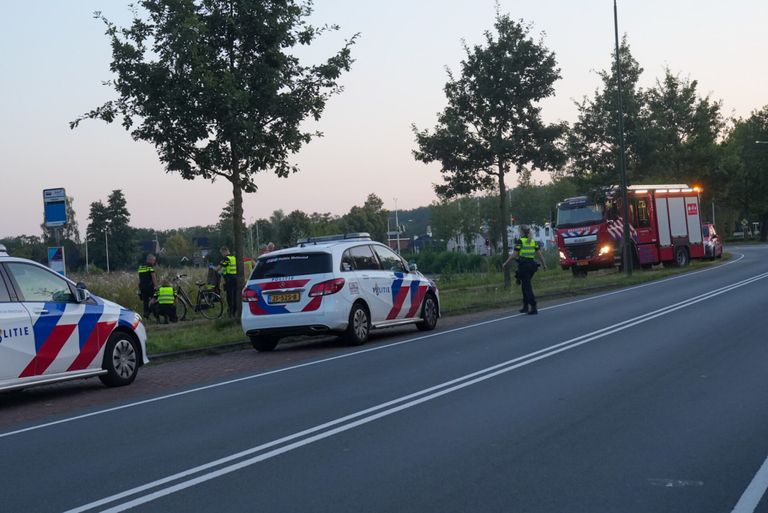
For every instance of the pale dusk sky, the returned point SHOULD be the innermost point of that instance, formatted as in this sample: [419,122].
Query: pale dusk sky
[55,56]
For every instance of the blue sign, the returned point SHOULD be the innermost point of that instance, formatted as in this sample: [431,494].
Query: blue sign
[55,207]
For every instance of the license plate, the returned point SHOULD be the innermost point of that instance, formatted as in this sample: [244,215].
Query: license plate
[583,262]
[288,297]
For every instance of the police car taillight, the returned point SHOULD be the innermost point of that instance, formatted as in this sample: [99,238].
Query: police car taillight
[326,288]
[250,295]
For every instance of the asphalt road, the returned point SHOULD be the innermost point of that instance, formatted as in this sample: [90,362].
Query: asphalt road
[649,399]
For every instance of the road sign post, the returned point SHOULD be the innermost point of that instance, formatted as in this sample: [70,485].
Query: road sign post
[55,216]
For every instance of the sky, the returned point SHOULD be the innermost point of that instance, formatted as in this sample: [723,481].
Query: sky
[55,57]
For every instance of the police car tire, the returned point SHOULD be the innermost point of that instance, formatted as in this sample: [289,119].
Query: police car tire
[121,360]
[428,314]
[264,343]
[359,327]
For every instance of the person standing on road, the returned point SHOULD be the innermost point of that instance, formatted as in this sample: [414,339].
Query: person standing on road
[228,269]
[147,282]
[526,251]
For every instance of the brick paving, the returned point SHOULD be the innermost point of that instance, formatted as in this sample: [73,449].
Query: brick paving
[50,402]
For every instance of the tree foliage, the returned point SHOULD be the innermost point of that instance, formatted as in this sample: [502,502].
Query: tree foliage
[682,131]
[492,124]
[593,140]
[746,163]
[217,88]
[110,224]
[671,133]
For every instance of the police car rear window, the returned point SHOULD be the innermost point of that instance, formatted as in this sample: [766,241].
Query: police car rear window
[296,264]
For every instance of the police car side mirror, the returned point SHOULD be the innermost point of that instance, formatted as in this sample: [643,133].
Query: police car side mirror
[412,267]
[81,293]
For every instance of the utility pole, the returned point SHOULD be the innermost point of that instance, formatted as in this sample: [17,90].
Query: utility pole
[86,251]
[626,255]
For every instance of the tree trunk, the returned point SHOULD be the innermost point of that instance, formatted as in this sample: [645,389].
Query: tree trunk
[764,227]
[504,221]
[237,229]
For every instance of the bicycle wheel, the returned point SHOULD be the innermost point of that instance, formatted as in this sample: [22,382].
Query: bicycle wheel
[210,305]
[181,309]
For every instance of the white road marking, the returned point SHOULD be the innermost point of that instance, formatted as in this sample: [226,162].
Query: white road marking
[368,415]
[752,496]
[345,355]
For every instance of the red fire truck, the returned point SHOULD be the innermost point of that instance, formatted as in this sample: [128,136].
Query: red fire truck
[665,227]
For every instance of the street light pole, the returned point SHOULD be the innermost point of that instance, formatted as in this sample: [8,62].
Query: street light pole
[106,245]
[626,257]
[397,228]
[250,238]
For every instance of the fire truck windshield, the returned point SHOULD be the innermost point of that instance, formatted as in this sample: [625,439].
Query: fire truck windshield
[578,215]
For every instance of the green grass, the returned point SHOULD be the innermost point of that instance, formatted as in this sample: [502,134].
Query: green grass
[473,292]
[196,334]
[459,293]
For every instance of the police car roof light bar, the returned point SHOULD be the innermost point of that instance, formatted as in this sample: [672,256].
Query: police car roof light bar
[331,238]
[3,251]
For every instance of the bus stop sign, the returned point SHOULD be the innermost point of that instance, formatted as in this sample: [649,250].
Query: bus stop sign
[55,207]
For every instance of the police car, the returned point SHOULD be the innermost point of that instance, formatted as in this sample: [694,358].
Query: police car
[53,330]
[341,284]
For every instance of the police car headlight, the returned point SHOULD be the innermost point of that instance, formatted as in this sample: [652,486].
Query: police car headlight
[605,249]
[562,256]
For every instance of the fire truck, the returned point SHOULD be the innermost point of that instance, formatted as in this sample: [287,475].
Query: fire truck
[664,223]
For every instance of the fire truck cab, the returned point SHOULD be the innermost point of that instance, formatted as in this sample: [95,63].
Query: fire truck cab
[664,223]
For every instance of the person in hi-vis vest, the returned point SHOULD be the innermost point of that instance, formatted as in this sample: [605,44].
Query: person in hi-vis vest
[526,251]
[228,269]
[164,302]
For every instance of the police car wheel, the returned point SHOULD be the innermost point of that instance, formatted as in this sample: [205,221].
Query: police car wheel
[428,314]
[121,360]
[264,343]
[359,326]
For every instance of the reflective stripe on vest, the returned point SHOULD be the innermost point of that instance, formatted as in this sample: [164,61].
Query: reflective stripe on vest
[231,267]
[165,296]
[146,269]
[527,248]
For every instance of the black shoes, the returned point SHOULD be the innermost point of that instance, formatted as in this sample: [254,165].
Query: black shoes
[524,309]
[533,310]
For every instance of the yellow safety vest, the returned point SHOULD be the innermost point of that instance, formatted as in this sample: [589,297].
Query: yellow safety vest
[231,266]
[165,296]
[527,248]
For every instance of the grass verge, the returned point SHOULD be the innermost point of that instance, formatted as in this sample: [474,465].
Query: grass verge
[460,294]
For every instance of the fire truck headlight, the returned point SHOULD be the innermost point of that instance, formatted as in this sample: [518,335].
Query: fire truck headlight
[562,256]
[605,249]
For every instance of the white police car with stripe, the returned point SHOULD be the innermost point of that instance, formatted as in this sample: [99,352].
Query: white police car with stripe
[339,284]
[54,330]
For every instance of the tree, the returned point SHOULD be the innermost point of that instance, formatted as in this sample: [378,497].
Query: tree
[217,88]
[492,123]
[683,130]
[177,247]
[225,224]
[370,218]
[593,141]
[95,233]
[746,163]
[109,224]
[445,219]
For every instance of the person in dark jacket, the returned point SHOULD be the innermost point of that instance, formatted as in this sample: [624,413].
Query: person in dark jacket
[147,282]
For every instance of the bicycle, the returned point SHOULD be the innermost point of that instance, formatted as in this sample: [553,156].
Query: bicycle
[208,302]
